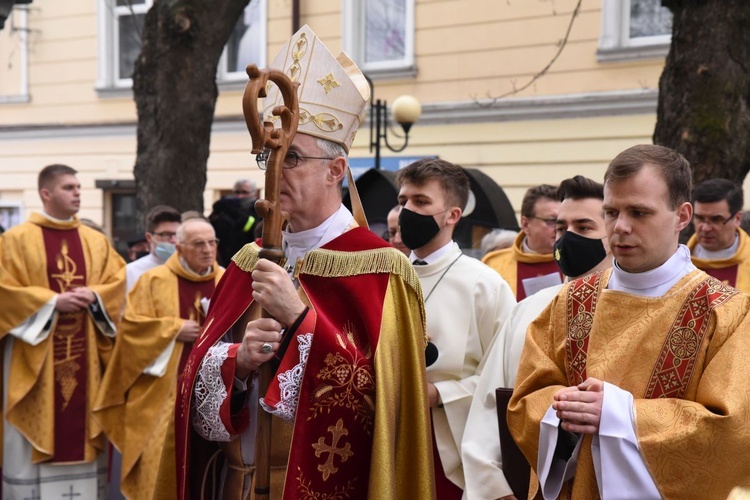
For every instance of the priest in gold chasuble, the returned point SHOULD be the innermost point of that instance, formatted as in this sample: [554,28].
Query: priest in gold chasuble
[67,285]
[719,246]
[528,265]
[633,382]
[164,313]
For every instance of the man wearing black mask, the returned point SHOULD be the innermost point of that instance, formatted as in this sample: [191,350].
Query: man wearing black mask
[466,303]
[581,248]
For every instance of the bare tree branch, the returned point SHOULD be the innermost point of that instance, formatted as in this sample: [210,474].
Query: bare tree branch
[515,90]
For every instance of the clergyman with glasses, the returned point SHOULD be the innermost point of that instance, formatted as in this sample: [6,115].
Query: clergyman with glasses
[719,246]
[528,265]
[345,334]
[162,222]
[163,317]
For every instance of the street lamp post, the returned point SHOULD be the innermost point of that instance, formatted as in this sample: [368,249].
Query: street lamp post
[406,111]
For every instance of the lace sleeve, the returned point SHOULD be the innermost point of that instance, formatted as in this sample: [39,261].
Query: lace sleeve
[209,394]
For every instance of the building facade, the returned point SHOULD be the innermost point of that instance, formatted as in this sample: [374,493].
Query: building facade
[521,89]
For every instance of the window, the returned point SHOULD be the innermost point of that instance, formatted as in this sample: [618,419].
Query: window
[124,222]
[121,26]
[379,36]
[10,215]
[119,218]
[130,15]
[634,29]
[247,44]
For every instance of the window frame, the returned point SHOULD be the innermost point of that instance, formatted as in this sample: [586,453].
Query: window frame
[615,44]
[353,14]
[109,82]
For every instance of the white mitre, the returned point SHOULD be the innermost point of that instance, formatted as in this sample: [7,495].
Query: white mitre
[333,92]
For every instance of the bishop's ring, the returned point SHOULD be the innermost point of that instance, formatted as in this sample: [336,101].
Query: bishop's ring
[266,348]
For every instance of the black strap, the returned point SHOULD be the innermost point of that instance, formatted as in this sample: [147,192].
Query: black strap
[289,334]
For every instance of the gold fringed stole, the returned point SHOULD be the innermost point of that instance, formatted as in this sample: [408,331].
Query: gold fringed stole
[337,264]
[675,364]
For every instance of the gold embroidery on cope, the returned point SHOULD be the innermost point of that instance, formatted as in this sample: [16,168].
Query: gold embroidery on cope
[328,82]
[332,449]
[202,338]
[346,382]
[307,493]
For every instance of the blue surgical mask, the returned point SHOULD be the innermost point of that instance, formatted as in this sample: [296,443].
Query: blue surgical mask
[164,250]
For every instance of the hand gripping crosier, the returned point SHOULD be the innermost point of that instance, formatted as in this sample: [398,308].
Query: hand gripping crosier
[277,140]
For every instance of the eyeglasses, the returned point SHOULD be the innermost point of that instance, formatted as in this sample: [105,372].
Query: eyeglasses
[716,220]
[200,244]
[291,160]
[165,234]
[551,222]
[241,191]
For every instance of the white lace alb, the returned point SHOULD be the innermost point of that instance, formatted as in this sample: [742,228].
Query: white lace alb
[290,382]
[209,394]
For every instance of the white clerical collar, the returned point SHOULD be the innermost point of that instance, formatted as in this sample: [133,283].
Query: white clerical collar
[655,282]
[525,246]
[55,219]
[189,270]
[725,253]
[434,256]
[296,245]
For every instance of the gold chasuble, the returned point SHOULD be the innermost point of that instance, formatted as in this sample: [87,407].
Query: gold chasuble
[52,384]
[361,428]
[733,271]
[137,395]
[683,356]
[515,265]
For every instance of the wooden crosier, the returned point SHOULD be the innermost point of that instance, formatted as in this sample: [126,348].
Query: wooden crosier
[277,141]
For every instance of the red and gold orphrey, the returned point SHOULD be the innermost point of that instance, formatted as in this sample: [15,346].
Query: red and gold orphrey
[66,270]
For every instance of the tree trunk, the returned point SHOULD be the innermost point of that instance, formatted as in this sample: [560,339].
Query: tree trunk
[705,86]
[174,84]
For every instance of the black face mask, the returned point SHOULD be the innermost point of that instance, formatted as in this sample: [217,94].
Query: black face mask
[576,255]
[416,229]
[140,254]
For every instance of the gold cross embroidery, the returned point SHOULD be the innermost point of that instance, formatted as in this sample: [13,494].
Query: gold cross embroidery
[321,447]
[328,82]
[67,267]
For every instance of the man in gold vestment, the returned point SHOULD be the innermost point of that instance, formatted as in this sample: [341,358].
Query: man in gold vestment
[720,246]
[67,282]
[527,265]
[163,317]
[633,382]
